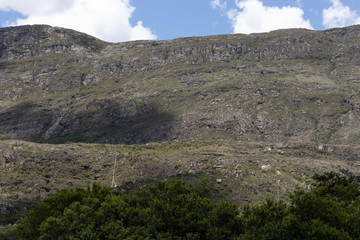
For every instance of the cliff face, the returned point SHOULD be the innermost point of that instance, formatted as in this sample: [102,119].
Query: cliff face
[58,85]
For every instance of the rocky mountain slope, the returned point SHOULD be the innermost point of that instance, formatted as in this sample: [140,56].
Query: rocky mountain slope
[256,115]
[295,85]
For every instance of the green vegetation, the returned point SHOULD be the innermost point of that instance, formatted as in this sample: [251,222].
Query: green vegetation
[161,211]
[8,233]
[175,210]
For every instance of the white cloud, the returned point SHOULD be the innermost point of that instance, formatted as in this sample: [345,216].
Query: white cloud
[218,4]
[106,19]
[255,17]
[338,15]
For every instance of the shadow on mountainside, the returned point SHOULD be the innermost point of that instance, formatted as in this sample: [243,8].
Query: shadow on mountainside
[116,123]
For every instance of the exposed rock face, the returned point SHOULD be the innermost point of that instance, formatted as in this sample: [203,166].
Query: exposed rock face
[58,85]
[30,41]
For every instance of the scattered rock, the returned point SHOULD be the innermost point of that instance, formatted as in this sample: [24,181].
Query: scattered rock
[265,167]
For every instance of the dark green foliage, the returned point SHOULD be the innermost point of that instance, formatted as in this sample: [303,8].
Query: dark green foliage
[175,210]
[334,185]
[55,206]
[267,221]
[7,233]
[161,211]
[331,210]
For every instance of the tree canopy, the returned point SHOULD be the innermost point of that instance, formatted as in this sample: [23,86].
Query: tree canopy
[176,210]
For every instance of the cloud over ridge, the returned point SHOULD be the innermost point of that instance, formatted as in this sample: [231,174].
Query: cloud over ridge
[107,19]
[253,17]
[339,15]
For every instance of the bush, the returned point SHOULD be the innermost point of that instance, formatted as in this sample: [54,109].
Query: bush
[175,210]
[331,210]
[162,211]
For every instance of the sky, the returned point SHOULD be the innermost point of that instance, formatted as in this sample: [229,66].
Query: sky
[127,20]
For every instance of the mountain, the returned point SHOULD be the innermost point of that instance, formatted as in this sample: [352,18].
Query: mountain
[255,114]
[295,85]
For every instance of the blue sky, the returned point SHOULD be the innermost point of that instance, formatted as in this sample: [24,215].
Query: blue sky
[124,20]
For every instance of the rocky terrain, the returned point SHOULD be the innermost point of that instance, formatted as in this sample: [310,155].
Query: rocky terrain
[285,86]
[256,115]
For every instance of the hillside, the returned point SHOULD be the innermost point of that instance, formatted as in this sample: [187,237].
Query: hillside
[256,115]
[239,172]
[284,86]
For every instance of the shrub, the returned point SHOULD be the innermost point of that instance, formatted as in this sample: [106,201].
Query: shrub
[175,210]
